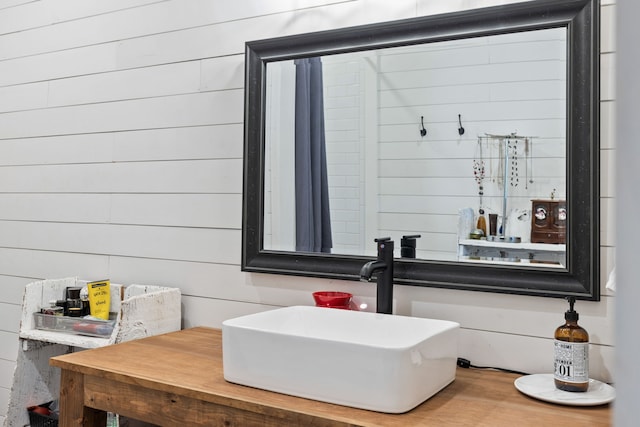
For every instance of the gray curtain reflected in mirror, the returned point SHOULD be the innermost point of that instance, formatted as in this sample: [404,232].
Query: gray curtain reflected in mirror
[313,222]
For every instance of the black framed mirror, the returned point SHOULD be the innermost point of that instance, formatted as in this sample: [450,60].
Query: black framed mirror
[577,273]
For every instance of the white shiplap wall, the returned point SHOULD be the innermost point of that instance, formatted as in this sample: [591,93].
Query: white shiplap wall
[121,157]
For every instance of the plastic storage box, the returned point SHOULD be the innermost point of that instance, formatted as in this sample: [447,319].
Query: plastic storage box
[73,325]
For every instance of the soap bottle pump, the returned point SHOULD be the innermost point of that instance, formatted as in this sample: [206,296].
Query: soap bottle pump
[571,349]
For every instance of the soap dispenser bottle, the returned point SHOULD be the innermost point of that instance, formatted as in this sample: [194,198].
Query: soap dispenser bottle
[482,222]
[571,345]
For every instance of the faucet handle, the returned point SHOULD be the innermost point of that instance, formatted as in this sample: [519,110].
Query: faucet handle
[385,248]
[408,246]
[383,244]
[411,239]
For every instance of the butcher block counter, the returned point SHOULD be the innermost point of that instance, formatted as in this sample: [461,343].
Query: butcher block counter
[176,379]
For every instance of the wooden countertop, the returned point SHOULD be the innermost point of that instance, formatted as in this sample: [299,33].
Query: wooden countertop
[187,365]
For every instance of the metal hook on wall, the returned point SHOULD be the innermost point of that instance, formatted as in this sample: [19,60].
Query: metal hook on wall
[460,129]
[423,131]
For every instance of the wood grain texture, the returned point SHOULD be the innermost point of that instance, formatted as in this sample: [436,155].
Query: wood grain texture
[170,409]
[178,377]
[73,412]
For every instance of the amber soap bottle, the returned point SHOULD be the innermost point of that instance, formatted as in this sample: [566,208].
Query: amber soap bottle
[571,349]
[482,222]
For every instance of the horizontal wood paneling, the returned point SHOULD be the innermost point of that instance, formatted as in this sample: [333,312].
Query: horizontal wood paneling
[128,23]
[9,347]
[196,42]
[13,288]
[607,184]
[164,80]
[202,142]
[61,64]
[536,317]
[9,315]
[607,265]
[7,367]
[199,109]
[188,176]
[35,14]
[213,312]
[475,71]
[6,4]
[607,222]
[607,125]
[23,97]
[443,130]
[190,244]
[226,72]
[607,27]
[55,207]
[183,143]
[608,71]
[187,210]
[484,348]
[227,282]
[65,149]
[191,43]
[461,168]
[180,210]
[434,149]
[447,187]
[417,221]
[41,264]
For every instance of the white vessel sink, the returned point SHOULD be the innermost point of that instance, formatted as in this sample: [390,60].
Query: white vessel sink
[365,360]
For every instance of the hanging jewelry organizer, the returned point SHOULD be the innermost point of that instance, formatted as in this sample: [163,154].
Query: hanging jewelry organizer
[505,168]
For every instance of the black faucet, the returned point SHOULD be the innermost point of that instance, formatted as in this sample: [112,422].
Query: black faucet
[382,267]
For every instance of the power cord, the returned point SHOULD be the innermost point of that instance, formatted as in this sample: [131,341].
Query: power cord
[465,363]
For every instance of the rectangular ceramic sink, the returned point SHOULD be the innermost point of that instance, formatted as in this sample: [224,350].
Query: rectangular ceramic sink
[365,360]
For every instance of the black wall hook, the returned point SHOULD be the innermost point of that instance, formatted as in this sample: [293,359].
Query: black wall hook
[423,131]
[460,129]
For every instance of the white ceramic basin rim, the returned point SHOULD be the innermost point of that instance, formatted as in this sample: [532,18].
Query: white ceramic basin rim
[366,360]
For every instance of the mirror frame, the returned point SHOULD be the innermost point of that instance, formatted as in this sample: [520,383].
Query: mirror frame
[581,278]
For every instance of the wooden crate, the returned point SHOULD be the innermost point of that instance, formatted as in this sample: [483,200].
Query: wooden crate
[141,311]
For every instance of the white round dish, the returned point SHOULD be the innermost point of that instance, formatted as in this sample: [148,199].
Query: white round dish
[542,387]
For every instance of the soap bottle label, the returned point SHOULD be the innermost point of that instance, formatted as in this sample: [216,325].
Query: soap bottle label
[571,362]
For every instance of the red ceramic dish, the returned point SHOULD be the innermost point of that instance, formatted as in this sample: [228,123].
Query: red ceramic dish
[332,299]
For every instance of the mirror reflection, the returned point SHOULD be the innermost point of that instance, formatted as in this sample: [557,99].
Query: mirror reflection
[462,143]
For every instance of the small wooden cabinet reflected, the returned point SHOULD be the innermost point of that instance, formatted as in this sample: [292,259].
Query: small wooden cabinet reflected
[548,221]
